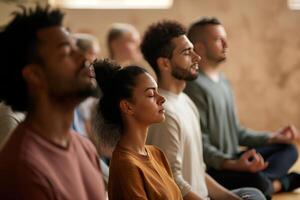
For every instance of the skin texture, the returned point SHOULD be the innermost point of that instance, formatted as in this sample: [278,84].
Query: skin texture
[57,85]
[143,109]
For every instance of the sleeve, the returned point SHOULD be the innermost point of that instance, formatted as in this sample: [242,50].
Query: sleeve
[246,137]
[212,155]
[167,137]
[7,124]
[251,138]
[126,183]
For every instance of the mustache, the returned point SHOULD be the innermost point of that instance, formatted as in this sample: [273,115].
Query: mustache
[86,63]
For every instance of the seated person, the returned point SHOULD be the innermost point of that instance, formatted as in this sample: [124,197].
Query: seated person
[131,102]
[261,165]
[166,47]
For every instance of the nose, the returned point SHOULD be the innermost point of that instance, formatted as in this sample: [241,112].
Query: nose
[161,100]
[224,43]
[196,57]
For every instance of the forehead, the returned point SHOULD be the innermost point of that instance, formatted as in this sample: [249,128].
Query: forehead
[215,30]
[130,35]
[145,81]
[53,36]
[181,43]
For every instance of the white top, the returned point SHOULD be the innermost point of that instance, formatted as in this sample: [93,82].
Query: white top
[8,122]
[179,136]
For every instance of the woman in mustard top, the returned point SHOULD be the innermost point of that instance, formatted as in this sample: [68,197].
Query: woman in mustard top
[130,101]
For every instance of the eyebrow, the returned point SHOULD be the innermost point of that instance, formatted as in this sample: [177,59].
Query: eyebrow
[186,49]
[150,88]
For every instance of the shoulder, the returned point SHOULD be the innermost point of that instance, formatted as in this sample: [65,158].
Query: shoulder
[83,142]
[154,150]
[84,145]
[123,164]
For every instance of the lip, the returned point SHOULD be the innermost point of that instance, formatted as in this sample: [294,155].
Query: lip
[88,69]
[162,110]
[92,71]
[195,67]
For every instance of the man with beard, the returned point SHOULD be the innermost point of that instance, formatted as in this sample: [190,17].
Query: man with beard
[44,74]
[261,164]
[171,55]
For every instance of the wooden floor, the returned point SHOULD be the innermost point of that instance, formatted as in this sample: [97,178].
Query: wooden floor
[292,195]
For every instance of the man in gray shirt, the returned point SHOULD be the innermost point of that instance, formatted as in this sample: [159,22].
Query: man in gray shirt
[261,164]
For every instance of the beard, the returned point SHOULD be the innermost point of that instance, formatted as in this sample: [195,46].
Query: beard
[183,74]
[216,59]
[76,92]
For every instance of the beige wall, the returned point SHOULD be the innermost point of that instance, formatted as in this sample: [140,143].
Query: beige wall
[264,50]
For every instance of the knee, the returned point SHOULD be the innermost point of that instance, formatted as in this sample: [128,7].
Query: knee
[291,152]
[250,194]
[263,184]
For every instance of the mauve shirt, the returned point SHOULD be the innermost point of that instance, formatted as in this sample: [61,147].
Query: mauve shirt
[32,167]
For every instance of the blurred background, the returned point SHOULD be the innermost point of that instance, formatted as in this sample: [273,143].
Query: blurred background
[263,62]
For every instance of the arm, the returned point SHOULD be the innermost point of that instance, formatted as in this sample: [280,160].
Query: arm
[167,137]
[191,196]
[286,135]
[246,137]
[251,138]
[250,161]
[218,192]
[213,157]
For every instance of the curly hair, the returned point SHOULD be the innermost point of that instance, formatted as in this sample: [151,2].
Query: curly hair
[19,47]
[157,41]
[195,29]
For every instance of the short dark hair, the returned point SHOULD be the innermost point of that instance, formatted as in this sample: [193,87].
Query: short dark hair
[19,44]
[157,41]
[194,31]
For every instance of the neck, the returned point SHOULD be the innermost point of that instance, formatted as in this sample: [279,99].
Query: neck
[134,138]
[52,121]
[211,69]
[171,84]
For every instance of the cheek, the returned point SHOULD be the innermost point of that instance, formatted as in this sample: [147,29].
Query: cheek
[147,109]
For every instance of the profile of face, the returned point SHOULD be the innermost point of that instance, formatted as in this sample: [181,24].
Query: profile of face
[92,53]
[129,45]
[146,103]
[215,43]
[65,72]
[184,60]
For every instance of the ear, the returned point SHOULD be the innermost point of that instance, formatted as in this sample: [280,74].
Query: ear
[163,63]
[32,74]
[126,107]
